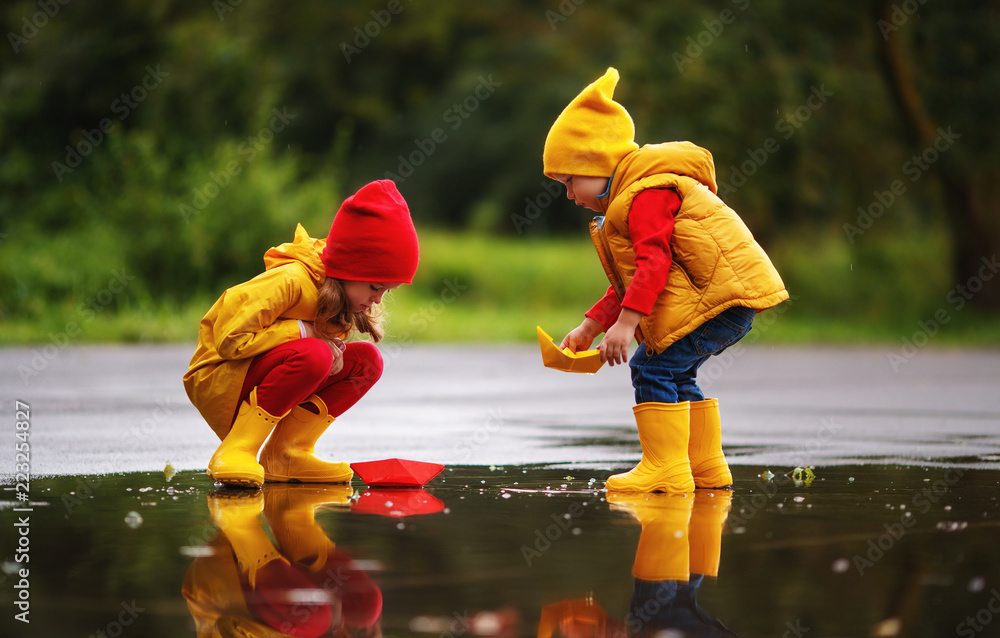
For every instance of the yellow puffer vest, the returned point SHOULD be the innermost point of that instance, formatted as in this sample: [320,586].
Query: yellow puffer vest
[717,263]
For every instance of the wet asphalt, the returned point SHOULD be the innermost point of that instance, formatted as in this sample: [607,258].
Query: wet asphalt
[99,409]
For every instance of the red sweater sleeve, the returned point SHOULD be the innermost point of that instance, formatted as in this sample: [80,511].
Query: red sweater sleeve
[650,224]
[606,311]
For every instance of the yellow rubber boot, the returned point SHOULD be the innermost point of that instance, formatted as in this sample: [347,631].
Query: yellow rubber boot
[235,461]
[664,467]
[708,463]
[291,513]
[711,508]
[663,552]
[288,455]
[576,617]
[239,519]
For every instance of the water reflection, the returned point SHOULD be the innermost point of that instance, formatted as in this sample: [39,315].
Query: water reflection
[295,581]
[888,547]
[680,545]
[397,502]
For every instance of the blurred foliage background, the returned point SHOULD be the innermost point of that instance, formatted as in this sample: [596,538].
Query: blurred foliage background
[153,150]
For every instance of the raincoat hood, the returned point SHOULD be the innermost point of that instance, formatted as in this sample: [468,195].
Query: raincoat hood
[676,158]
[302,249]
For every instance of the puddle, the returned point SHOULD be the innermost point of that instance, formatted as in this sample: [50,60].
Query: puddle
[507,551]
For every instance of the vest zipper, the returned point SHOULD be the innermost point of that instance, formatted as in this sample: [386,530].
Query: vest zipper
[607,262]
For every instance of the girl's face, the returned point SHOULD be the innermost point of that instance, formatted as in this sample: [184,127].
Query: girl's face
[364,294]
[583,190]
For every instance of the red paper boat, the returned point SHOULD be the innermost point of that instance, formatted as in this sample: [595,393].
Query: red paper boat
[396,472]
[398,502]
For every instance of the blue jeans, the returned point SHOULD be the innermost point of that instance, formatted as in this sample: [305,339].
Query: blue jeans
[669,377]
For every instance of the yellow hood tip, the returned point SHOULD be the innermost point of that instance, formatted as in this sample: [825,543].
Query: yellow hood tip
[303,249]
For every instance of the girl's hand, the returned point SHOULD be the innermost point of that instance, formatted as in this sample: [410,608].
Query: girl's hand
[582,336]
[614,346]
[338,347]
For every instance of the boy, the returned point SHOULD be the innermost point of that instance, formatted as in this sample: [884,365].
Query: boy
[686,279]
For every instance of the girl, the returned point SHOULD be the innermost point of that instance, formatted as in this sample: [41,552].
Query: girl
[271,352]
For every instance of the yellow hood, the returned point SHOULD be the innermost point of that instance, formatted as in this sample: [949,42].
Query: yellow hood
[302,249]
[675,158]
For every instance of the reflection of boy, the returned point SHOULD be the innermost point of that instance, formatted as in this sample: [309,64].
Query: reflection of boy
[686,279]
[679,546]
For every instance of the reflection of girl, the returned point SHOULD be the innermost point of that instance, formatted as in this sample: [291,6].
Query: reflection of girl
[250,587]
[270,354]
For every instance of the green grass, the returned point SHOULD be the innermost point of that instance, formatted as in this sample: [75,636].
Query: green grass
[477,288]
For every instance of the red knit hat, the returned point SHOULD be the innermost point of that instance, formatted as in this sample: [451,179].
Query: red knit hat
[372,237]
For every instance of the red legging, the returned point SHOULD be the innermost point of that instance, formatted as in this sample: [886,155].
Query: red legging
[287,375]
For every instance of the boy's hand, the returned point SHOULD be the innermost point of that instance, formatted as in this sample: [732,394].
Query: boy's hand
[582,336]
[614,346]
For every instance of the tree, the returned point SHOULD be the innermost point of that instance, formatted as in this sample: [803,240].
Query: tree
[941,70]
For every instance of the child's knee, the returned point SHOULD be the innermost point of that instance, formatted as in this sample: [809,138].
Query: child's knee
[367,358]
[314,356]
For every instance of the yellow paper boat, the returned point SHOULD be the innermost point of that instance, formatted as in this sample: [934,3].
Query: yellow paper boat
[588,361]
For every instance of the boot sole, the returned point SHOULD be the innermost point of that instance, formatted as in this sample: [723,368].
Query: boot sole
[271,478]
[238,480]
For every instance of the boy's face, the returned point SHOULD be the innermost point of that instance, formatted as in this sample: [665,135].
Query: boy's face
[583,190]
[364,294]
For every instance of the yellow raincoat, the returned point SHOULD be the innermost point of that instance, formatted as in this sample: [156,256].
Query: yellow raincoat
[717,263]
[250,319]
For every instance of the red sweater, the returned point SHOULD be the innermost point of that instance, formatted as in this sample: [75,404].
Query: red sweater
[650,225]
